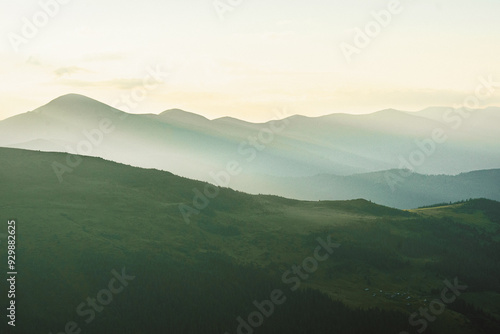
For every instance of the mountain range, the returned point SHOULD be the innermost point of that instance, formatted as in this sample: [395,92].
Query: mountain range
[391,157]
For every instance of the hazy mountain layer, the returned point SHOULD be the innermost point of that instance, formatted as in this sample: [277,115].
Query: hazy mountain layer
[338,156]
[433,141]
[394,188]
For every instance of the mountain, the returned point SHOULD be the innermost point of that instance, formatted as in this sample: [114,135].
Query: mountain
[114,236]
[432,141]
[395,188]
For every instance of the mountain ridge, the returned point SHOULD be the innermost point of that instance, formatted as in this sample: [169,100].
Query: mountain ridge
[75,97]
[296,147]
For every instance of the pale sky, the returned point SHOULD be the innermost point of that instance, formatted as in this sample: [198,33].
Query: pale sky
[259,57]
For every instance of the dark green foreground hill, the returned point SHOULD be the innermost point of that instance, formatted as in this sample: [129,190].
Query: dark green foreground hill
[74,236]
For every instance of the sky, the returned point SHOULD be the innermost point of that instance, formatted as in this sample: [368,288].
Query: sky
[247,58]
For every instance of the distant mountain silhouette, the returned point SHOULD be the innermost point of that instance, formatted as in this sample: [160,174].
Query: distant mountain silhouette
[297,148]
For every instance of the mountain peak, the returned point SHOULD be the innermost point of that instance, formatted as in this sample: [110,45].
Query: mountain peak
[76,104]
[181,115]
[73,98]
[388,112]
[174,111]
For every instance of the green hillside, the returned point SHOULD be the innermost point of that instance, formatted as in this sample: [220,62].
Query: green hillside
[199,277]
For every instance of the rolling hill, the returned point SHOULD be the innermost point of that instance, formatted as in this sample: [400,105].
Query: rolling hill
[107,219]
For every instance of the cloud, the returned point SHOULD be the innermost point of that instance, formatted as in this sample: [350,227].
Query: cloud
[97,57]
[123,83]
[119,83]
[34,61]
[69,70]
